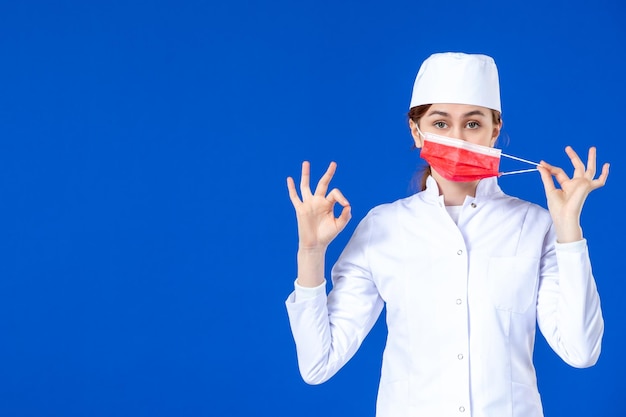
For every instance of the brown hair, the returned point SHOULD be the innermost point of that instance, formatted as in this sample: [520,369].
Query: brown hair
[415,114]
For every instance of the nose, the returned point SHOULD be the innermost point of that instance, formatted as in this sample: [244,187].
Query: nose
[457,132]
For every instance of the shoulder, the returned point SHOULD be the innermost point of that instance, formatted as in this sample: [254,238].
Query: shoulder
[386,217]
[532,211]
[385,223]
[392,209]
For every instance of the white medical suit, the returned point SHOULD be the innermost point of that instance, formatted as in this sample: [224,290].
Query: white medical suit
[462,302]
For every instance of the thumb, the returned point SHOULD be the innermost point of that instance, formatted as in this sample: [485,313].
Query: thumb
[344,218]
[546,178]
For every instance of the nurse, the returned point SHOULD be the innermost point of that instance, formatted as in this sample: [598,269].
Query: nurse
[465,271]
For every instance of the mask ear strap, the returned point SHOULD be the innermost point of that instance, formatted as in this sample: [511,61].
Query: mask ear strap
[521,171]
[421,135]
[520,159]
[419,131]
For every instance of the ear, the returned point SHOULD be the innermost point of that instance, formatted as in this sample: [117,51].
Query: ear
[496,133]
[416,136]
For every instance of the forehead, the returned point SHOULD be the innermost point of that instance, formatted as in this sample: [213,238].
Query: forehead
[457,110]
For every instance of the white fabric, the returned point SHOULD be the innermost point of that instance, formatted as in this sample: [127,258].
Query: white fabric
[454,212]
[457,78]
[307,293]
[462,303]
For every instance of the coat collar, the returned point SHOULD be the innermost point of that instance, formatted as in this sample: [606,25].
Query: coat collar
[486,187]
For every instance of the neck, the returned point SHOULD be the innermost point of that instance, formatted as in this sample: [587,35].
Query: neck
[453,192]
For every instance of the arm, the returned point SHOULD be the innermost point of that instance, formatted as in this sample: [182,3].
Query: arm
[569,314]
[568,305]
[327,330]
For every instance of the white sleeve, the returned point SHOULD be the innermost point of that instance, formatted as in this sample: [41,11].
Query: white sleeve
[568,305]
[301,293]
[328,330]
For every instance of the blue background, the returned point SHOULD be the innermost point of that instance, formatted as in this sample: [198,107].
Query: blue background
[148,242]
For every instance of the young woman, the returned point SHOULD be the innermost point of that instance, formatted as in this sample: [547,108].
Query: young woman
[464,270]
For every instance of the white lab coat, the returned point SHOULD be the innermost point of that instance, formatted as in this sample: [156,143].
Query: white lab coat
[461,303]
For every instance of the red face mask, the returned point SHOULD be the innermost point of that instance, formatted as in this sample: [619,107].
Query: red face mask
[458,160]
[461,161]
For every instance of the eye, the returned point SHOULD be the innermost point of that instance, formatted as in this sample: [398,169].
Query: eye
[473,125]
[440,125]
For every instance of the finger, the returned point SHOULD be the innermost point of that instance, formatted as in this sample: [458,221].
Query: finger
[601,180]
[546,177]
[322,185]
[545,165]
[579,166]
[557,172]
[344,218]
[293,194]
[305,179]
[591,163]
[335,196]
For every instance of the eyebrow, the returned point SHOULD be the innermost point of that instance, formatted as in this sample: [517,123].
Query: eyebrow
[468,114]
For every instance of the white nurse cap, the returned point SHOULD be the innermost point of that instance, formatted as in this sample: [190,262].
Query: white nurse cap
[458,78]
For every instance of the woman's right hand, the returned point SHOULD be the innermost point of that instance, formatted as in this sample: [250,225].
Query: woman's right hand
[317,224]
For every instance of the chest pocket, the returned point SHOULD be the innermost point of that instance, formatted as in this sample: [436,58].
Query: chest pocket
[512,282]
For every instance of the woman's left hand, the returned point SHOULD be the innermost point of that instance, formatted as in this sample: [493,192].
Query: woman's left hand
[566,203]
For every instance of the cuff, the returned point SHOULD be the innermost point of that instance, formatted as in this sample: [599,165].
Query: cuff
[572,247]
[306,293]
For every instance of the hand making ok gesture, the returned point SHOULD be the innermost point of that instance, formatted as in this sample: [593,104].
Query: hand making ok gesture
[566,203]
[317,224]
